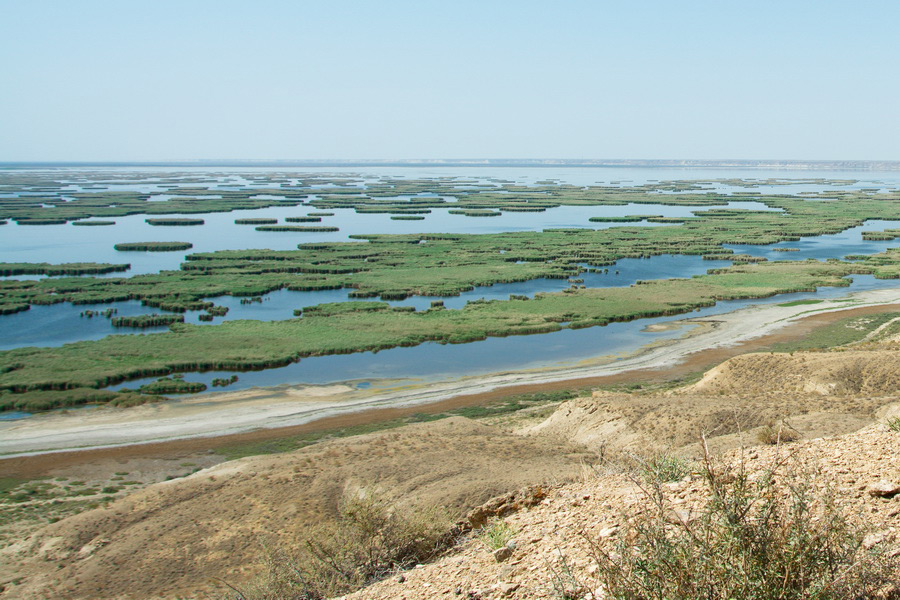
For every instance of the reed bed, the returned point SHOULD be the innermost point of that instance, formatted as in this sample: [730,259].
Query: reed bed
[348,327]
[7,269]
[303,219]
[255,221]
[174,222]
[145,321]
[153,246]
[297,228]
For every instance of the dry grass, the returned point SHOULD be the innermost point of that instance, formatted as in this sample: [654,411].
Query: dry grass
[777,433]
[370,540]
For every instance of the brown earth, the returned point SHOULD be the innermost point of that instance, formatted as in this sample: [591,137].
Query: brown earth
[867,373]
[173,538]
[815,393]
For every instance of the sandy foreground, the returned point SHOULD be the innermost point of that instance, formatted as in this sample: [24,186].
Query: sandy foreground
[284,406]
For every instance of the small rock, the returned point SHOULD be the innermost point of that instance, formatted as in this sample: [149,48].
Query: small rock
[506,589]
[680,517]
[608,532]
[883,489]
[501,554]
[873,539]
[401,579]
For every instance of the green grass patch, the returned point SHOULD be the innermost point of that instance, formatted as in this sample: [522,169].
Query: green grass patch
[144,321]
[839,333]
[7,269]
[303,219]
[153,246]
[167,385]
[258,221]
[174,222]
[297,228]
[93,223]
[800,302]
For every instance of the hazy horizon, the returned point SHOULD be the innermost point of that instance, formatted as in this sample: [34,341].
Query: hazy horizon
[166,81]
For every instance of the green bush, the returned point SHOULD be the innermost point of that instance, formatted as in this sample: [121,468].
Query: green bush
[768,535]
[496,534]
[663,467]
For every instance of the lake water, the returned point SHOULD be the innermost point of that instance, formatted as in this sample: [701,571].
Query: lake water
[60,324]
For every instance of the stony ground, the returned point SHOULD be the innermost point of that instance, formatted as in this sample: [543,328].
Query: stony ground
[550,541]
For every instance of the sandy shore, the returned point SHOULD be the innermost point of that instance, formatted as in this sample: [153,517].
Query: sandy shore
[227,413]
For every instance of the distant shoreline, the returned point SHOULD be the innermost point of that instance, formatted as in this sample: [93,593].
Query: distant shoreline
[762,164]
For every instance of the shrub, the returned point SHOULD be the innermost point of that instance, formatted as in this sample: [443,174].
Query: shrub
[663,467]
[496,534]
[777,433]
[370,540]
[754,539]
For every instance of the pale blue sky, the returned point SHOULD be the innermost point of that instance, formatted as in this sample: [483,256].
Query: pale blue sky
[168,80]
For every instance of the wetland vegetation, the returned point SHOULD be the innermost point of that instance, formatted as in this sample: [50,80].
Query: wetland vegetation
[397,266]
[341,328]
[153,246]
[174,222]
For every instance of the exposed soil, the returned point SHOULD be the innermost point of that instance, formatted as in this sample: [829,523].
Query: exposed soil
[552,540]
[174,537]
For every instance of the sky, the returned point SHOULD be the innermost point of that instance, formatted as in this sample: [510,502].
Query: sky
[84,80]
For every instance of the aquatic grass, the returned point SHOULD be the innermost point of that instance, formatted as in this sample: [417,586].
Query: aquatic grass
[145,321]
[297,228]
[7,269]
[174,222]
[153,246]
[303,219]
[255,221]
[348,327]
[171,385]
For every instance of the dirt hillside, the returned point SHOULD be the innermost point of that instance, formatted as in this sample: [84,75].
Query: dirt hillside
[611,423]
[869,373]
[551,553]
[173,538]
